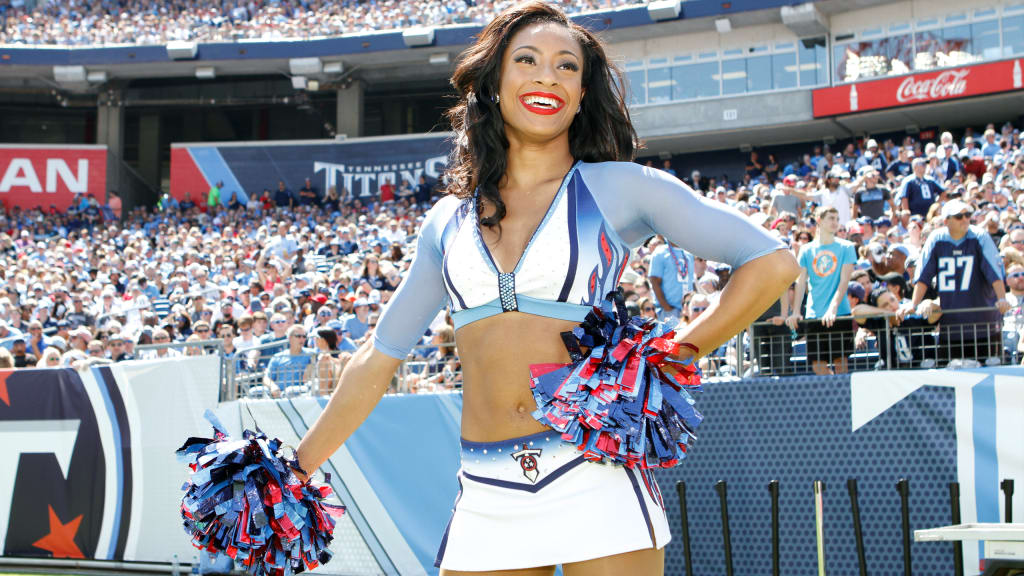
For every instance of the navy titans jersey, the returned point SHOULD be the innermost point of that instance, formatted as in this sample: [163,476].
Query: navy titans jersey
[963,272]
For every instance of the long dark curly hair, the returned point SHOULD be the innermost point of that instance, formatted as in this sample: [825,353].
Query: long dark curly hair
[601,132]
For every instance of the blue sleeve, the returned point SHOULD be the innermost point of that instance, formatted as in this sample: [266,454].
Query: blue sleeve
[804,258]
[640,202]
[927,264]
[992,266]
[849,255]
[421,294]
[901,192]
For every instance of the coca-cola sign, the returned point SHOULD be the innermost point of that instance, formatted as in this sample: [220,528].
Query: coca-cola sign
[918,88]
[949,84]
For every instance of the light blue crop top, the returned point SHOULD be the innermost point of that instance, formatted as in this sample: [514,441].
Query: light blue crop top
[576,255]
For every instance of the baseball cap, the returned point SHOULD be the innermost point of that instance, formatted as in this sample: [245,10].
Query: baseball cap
[789,180]
[866,171]
[335,325]
[320,298]
[901,249]
[855,289]
[361,302]
[954,207]
[871,144]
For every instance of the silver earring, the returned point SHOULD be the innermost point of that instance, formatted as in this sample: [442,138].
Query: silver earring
[497,98]
[579,108]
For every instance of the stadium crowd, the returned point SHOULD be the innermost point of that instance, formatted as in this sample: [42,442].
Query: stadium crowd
[104,22]
[287,284]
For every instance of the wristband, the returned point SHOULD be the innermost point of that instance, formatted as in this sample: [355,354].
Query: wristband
[690,346]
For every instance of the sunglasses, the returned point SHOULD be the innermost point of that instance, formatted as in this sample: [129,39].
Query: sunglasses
[648,309]
[960,216]
[298,336]
[202,330]
[1017,275]
[324,314]
[277,322]
[699,309]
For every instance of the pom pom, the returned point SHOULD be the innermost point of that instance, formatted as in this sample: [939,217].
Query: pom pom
[244,500]
[620,402]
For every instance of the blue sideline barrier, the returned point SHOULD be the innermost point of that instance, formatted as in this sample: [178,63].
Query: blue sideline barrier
[90,470]
[877,427]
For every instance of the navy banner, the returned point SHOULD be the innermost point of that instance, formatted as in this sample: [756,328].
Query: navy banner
[357,167]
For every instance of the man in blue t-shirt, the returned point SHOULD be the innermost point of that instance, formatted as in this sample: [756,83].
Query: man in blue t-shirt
[968,273]
[827,264]
[671,276]
[918,192]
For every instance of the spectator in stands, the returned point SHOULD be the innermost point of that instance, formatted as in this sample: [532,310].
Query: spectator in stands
[917,191]
[968,273]
[900,168]
[49,359]
[323,373]
[161,336]
[21,356]
[308,195]
[827,264]
[356,326]
[213,196]
[785,198]
[288,367]
[870,197]
[283,197]
[117,345]
[277,336]
[671,275]
[753,168]
[833,192]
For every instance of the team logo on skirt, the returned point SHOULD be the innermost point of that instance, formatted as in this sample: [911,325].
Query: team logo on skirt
[527,458]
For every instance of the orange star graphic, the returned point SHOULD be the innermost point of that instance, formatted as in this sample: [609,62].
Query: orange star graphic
[61,540]
[3,386]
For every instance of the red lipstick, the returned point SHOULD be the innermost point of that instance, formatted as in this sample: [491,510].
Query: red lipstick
[542,110]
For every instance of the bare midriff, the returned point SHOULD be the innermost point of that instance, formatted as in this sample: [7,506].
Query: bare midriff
[496,354]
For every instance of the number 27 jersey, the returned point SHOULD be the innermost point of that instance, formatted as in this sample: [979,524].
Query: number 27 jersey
[963,271]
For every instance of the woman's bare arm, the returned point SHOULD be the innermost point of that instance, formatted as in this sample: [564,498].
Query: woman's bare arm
[360,388]
[750,291]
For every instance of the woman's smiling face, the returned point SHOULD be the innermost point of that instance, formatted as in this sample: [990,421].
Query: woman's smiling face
[541,81]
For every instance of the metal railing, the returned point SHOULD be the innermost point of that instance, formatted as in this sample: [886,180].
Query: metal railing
[764,349]
[885,343]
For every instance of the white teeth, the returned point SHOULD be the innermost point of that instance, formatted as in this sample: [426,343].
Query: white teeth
[534,100]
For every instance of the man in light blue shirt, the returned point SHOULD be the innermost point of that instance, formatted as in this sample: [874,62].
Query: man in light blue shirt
[827,264]
[671,276]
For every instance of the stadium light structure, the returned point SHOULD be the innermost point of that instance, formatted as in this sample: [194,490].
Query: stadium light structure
[439,59]
[182,50]
[206,72]
[804,20]
[96,76]
[723,25]
[333,67]
[299,82]
[69,74]
[413,37]
[305,66]
[664,10]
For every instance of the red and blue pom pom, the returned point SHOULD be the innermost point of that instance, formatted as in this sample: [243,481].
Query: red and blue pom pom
[244,500]
[618,403]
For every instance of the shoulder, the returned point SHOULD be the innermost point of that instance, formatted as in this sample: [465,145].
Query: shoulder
[598,171]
